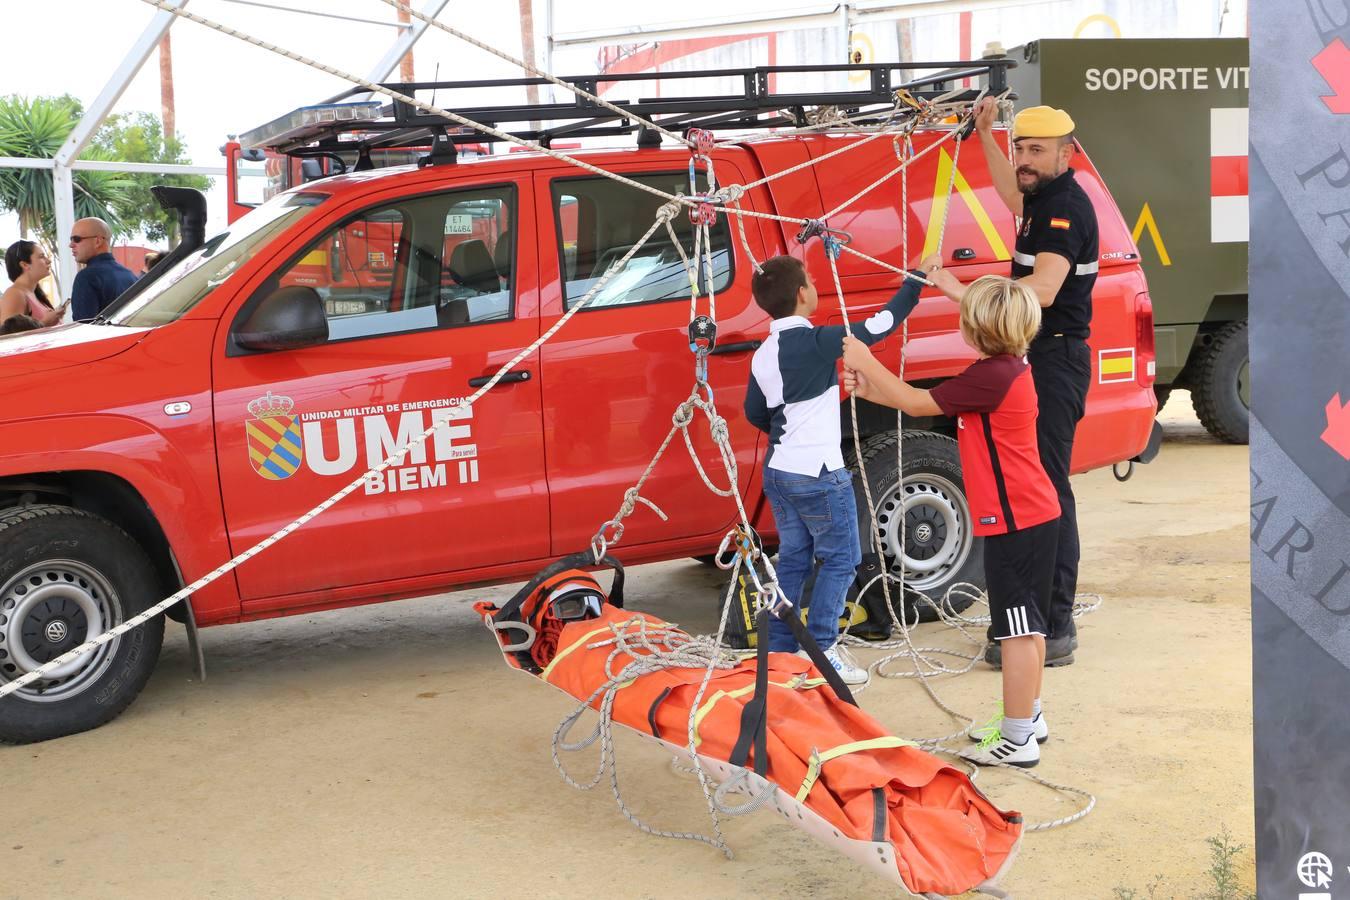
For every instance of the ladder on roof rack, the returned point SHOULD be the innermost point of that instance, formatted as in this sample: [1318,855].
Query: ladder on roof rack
[338,125]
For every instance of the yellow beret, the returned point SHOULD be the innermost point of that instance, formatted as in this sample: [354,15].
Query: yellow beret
[1042,122]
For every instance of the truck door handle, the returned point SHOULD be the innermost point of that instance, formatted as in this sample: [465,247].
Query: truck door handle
[963,253]
[737,347]
[508,378]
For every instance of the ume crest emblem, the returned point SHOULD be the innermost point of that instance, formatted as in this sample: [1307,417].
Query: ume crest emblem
[275,448]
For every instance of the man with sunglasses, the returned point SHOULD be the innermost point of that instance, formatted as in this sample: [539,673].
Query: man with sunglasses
[102,278]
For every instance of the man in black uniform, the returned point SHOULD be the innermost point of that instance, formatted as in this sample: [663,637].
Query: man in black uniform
[1055,255]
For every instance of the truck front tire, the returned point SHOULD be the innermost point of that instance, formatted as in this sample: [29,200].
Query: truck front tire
[1221,387]
[67,576]
[940,547]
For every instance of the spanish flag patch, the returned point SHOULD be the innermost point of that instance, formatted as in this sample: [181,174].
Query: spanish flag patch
[1062,224]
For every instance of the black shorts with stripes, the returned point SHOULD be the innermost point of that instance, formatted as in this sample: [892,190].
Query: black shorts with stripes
[1019,568]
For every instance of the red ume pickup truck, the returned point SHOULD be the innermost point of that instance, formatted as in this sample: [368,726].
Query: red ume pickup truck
[227,394]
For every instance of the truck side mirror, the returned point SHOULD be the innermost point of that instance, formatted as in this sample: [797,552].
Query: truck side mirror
[289,318]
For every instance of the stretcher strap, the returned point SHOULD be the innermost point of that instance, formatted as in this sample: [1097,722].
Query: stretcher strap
[651,712]
[795,683]
[820,759]
[817,655]
[879,820]
[754,717]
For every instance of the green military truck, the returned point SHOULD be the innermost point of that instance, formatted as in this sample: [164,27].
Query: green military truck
[1166,124]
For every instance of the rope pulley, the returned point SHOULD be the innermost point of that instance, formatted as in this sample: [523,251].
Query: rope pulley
[702,212]
[741,542]
[702,340]
[833,239]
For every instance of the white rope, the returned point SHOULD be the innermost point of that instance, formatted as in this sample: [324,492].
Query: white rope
[663,216]
[411,101]
[717,427]
[634,118]
[395,459]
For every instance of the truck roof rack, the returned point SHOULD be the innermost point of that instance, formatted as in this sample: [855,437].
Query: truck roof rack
[365,125]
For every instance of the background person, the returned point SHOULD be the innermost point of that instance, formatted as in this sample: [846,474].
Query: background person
[27,264]
[102,278]
[1055,256]
[15,324]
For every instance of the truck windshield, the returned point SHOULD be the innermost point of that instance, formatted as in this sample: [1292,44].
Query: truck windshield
[206,268]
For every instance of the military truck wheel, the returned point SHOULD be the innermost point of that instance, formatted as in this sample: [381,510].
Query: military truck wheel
[939,544]
[1162,393]
[1221,391]
[67,576]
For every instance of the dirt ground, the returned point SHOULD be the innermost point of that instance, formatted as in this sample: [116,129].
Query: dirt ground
[387,752]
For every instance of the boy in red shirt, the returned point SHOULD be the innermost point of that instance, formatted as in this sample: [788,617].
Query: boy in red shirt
[1013,503]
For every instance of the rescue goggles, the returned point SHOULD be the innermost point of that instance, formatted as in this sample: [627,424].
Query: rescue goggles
[574,601]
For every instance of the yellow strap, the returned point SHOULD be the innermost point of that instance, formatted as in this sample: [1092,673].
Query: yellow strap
[572,646]
[819,759]
[797,682]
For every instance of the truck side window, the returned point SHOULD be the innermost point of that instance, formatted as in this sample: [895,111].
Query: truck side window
[598,221]
[427,262]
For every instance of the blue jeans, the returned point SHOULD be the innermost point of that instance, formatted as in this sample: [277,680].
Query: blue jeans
[817,518]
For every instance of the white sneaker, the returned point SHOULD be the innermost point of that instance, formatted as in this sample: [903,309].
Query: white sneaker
[980,733]
[1002,750]
[849,671]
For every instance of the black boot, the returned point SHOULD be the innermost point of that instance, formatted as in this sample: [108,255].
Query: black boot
[1058,652]
[993,654]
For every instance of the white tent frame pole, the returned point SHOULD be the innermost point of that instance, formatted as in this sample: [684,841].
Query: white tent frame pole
[404,42]
[548,46]
[63,186]
[401,45]
[845,32]
[319,14]
[794,19]
[108,165]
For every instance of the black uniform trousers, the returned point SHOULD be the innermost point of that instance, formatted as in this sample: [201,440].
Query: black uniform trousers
[1061,368]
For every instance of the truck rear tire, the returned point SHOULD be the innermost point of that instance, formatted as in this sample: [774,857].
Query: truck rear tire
[1221,391]
[67,576]
[941,549]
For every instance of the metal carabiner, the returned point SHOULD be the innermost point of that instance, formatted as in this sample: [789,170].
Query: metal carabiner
[832,238]
[600,543]
[720,558]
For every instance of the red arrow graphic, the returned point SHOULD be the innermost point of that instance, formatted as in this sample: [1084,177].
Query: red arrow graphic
[1333,63]
[1337,435]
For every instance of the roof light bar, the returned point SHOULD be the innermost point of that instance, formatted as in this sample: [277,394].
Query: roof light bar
[307,122]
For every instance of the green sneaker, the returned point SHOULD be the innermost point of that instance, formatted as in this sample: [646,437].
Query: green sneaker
[990,732]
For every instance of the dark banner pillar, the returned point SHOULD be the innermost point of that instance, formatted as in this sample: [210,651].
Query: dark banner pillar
[1300,445]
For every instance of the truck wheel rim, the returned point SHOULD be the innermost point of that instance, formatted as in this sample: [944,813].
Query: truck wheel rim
[48,609]
[937,535]
[1244,385]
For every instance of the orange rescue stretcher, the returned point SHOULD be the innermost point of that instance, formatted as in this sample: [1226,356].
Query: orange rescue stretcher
[781,723]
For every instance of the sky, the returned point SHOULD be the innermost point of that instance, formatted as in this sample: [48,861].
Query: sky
[224,86]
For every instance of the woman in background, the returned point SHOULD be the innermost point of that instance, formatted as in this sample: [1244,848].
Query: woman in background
[27,264]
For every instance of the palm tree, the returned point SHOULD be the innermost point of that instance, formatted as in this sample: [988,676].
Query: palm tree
[35,129]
